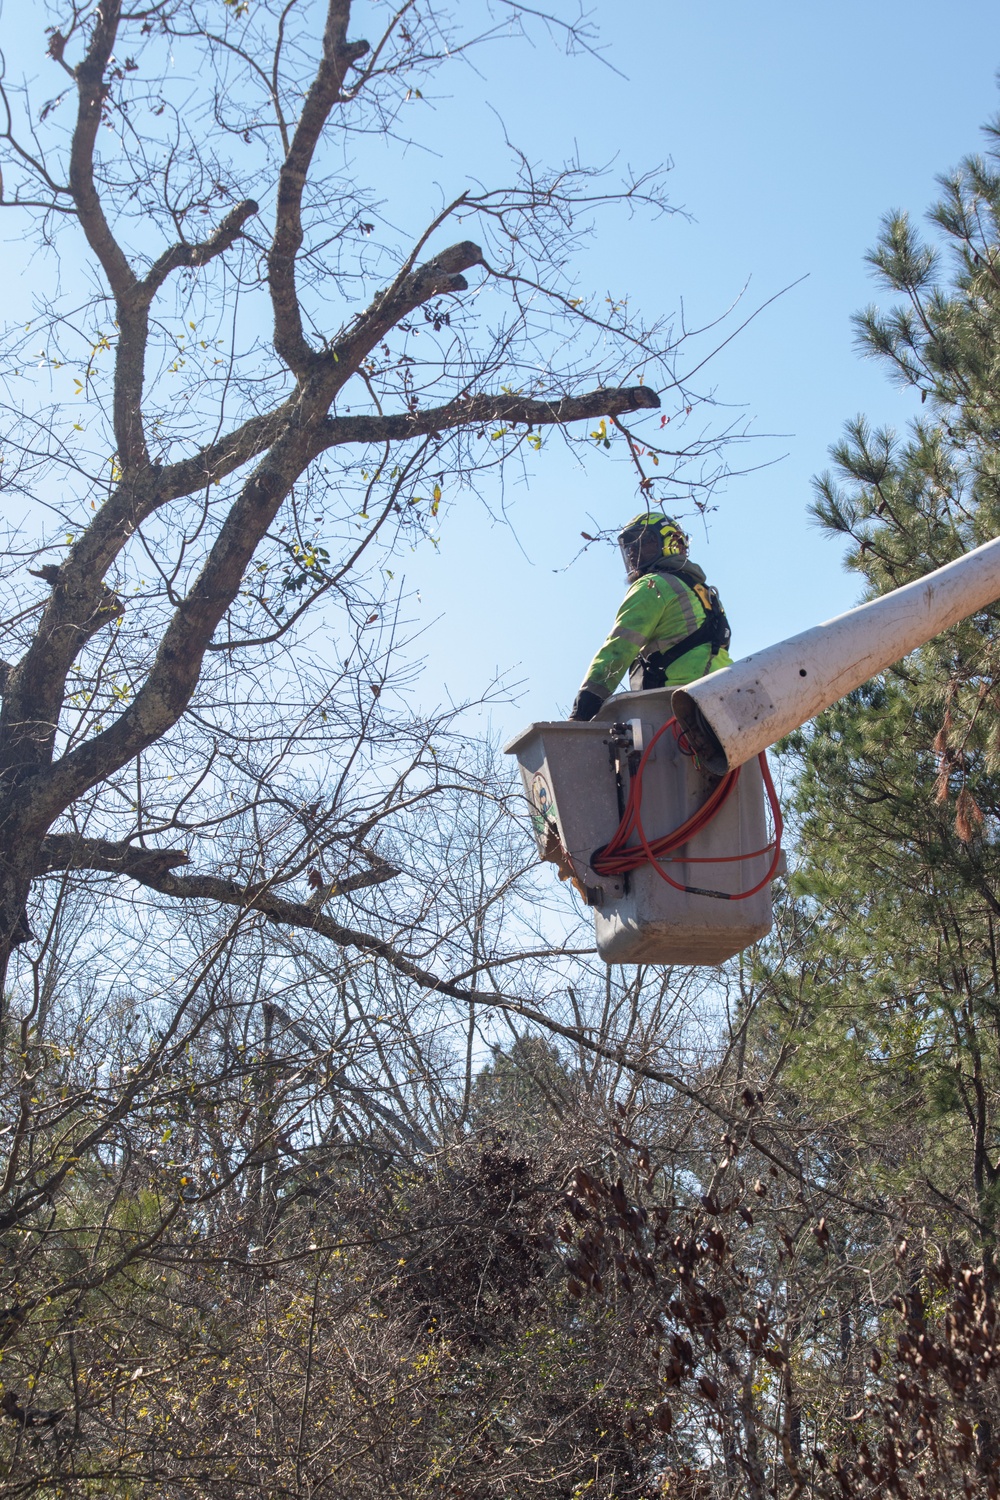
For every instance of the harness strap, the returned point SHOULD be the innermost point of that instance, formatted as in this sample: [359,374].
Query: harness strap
[704,635]
[713,631]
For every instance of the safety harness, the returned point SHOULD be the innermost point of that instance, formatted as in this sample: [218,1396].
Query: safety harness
[713,631]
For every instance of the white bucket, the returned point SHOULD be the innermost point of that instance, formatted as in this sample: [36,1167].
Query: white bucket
[576,778]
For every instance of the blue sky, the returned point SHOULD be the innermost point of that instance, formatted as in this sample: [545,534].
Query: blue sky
[792,128]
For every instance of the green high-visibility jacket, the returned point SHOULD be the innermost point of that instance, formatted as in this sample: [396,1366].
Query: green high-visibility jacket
[658,611]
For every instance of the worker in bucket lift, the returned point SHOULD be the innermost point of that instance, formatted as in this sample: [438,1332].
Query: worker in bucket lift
[671,628]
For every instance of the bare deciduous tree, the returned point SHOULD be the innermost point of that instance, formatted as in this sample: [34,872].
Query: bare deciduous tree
[240,425]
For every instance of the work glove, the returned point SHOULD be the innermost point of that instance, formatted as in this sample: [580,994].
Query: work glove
[586,705]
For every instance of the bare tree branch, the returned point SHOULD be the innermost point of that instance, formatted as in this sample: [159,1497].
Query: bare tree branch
[92,92]
[62,851]
[324,92]
[200,254]
[477,410]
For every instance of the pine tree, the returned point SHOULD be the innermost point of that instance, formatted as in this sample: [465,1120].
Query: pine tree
[882,992]
[897,977]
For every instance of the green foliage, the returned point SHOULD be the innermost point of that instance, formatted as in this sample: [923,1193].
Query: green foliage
[524,1089]
[891,997]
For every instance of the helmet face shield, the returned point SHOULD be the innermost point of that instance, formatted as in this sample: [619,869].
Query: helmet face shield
[641,547]
[647,540]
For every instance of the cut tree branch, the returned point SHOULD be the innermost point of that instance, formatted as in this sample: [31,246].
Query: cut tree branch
[324,92]
[438,277]
[70,851]
[92,92]
[182,255]
[130,305]
[486,409]
[254,437]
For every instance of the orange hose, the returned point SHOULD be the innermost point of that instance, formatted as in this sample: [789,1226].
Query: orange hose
[618,857]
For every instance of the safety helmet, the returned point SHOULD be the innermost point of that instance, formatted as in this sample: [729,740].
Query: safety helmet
[648,539]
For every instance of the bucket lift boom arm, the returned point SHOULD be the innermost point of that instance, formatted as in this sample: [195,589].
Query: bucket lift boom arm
[733,714]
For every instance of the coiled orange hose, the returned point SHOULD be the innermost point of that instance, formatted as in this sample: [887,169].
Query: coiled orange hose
[618,857]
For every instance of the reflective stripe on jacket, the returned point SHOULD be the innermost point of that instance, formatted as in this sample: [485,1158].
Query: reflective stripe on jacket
[658,611]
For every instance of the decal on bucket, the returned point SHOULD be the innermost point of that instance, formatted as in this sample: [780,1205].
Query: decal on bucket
[543,804]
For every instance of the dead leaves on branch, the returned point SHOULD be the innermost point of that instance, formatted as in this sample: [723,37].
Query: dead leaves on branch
[728,1326]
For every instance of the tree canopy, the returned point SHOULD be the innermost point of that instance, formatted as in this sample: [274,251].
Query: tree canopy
[231,425]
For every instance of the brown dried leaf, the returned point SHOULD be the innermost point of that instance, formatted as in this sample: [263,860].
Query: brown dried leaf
[942,779]
[967,813]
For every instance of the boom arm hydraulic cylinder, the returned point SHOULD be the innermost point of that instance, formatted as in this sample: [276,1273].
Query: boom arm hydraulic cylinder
[734,713]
